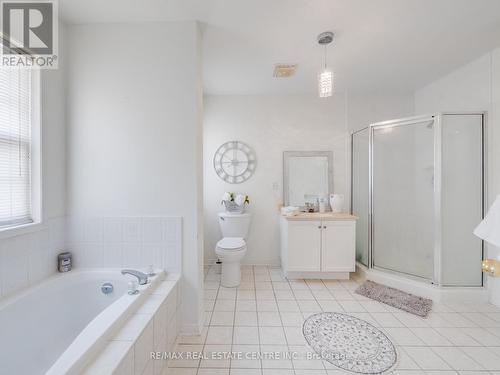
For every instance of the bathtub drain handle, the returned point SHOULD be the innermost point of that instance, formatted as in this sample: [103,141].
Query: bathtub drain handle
[107,288]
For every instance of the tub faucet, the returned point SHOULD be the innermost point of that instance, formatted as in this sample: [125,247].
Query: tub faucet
[141,277]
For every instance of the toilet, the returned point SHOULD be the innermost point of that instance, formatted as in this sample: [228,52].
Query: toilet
[232,247]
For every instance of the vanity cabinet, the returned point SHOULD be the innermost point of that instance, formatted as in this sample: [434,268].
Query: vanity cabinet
[318,245]
[304,246]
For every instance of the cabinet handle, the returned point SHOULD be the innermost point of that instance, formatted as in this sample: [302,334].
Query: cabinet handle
[319,227]
[324,227]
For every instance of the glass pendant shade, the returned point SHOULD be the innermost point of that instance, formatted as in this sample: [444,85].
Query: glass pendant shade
[325,83]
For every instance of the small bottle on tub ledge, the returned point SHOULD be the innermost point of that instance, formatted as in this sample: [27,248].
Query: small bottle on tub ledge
[64,262]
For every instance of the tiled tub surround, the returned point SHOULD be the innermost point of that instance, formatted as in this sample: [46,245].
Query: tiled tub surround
[136,242]
[152,328]
[27,258]
[266,312]
[65,318]
[132,242]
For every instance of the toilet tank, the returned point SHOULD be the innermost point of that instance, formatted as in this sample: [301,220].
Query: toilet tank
[234,225]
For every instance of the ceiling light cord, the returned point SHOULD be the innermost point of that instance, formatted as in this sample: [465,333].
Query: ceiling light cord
[324,55]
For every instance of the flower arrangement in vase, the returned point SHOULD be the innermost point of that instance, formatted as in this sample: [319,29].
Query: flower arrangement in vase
[235,203]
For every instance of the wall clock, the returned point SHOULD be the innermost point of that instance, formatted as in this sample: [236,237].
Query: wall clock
[234,162]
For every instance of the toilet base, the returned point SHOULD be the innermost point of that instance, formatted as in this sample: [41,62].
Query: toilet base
[231,274]
[231,251]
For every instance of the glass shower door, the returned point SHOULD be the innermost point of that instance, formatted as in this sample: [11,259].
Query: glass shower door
[403,218]
[461,199]
[360,192]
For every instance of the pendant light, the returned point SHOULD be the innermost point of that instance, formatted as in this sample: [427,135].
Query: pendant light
[325,76]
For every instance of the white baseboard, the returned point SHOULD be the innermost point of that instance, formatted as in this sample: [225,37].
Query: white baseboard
[493,285]
[317,275]
[190,330]
[211,261]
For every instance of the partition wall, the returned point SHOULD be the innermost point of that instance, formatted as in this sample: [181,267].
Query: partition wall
[418,187]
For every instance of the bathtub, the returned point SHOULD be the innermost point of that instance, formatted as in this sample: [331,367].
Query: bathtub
[60,324]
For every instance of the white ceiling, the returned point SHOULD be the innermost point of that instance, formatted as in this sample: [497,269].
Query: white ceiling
[380,45]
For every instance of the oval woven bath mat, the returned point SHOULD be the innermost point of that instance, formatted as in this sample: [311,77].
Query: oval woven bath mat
[350,343]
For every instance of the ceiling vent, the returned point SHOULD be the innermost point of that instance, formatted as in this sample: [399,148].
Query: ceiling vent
[284,70]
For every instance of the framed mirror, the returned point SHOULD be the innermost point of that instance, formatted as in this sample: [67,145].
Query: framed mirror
[307,176]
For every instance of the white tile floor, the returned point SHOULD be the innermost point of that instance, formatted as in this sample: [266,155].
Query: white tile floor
[266,312]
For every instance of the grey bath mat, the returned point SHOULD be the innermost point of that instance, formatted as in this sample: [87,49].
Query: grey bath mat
[396,298]
[350,343]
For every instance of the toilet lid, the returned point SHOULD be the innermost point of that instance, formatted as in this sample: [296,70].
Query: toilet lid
[231,243]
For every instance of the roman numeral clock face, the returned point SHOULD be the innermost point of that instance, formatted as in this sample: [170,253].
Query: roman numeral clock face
[234,162]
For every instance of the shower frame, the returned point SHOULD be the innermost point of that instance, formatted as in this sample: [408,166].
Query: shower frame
[437,214]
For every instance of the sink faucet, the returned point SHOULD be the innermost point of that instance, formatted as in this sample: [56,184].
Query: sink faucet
[141,277]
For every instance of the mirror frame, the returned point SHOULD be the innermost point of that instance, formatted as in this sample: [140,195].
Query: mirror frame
[286,169]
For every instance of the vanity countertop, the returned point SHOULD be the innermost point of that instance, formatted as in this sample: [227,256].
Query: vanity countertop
[326,216]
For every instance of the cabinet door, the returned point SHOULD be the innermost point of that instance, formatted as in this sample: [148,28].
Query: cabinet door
[304,246]
[338,246]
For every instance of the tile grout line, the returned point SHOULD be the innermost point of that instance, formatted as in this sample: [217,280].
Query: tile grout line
[449,364]
[301,312]
[321,308]
[281,320]
[257,317]
[233,330]
[210,322]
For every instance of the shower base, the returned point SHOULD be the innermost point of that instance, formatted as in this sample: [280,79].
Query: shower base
[444,294]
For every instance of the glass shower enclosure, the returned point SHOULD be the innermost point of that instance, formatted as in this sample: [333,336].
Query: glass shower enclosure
[417,189]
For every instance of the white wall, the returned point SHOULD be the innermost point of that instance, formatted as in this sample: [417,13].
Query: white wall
[31,255]
[53,89]
[271,125]
[473,87]
[135,132]
[364,109]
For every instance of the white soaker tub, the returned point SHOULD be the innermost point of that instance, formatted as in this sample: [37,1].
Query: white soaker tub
[58,325]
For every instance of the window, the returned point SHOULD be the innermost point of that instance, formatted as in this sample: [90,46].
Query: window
[18,129]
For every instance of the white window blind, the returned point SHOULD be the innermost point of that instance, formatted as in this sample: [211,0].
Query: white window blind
[15,147]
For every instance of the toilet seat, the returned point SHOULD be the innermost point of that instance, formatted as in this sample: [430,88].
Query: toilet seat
[231,244]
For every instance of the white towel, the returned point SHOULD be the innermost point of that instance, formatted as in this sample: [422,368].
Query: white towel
[489,228]
[290,211]
[239,200]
